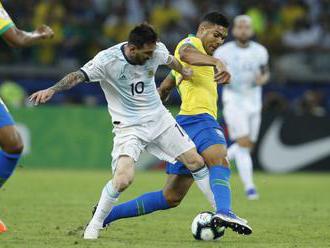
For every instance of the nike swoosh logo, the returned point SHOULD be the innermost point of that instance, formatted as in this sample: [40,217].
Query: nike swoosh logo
[275,156]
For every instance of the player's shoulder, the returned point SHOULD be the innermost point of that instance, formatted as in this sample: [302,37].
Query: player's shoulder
[258,47]
[160,47]
[227,45]
[190,40]
[110,54]
[224,49]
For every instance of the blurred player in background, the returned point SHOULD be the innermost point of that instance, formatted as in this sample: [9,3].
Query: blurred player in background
[197,116]
[126,73]
[10,140]
[247,61]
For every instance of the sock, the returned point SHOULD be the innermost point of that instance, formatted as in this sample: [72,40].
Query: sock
[8,164]
[202,179]
[219,181]
[244,166]
[231,151]
[141,205]
[108,197]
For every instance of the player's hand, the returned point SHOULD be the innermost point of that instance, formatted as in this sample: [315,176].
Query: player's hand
[41,96]
[261,79]
[186,73]
[221,76]
[164,95]
[44,32]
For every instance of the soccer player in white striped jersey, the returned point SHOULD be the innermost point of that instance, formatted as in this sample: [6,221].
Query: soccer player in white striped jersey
[141,122]
[247,62]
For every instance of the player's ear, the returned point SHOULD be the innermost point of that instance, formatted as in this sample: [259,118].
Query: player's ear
[132,48]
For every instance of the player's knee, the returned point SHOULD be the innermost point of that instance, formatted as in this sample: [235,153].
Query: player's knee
[14,144]
[122,182]
[173,199]
[245,142]
[219,158]
[195,161]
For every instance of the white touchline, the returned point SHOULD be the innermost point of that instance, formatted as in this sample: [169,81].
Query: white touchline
[275,156]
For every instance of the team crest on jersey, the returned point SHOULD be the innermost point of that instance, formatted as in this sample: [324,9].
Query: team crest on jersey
[150,73]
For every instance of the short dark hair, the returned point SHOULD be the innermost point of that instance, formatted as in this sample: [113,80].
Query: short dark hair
[216,18]
[142,34]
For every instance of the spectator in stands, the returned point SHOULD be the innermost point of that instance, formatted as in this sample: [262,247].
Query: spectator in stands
[291,11]
[116,27]
[163,15]
[52,12]
[312,103]
[275,102]
[302,36]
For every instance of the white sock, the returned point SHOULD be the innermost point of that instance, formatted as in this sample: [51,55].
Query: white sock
[244,166]
[108,197]
[202,179]
[231,151]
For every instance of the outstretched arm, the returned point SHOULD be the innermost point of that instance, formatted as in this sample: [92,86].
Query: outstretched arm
[68,82]
[15,37]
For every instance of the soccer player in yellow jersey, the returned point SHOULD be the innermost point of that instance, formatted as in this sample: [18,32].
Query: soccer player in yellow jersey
[198,118]
[10,140]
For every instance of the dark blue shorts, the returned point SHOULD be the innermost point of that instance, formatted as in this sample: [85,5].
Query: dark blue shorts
[5,117]
[204,131]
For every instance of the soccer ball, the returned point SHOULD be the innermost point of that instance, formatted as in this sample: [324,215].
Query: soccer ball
[202,229]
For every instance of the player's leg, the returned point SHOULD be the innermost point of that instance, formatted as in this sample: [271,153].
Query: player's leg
[11,148]
[173,192]
[243,156]
[240,125]
[244,165]
[175,144]
[201,176]
[212,146]
[122,178]
[11,145]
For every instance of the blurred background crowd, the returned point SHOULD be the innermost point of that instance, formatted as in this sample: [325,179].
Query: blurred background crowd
[295,32]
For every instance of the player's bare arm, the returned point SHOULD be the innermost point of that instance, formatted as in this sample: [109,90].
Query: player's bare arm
[175,65]
[264,75]
[192,56]
[166,86]
[68,82]
[16,37]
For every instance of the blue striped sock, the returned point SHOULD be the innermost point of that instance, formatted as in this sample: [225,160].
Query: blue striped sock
[219,182]
[141,205]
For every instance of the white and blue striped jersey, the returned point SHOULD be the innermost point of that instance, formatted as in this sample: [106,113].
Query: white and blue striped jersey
[130,90]
[244,64]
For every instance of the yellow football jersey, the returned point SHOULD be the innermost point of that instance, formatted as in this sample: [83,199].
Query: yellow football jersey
[199,95]
[5,20]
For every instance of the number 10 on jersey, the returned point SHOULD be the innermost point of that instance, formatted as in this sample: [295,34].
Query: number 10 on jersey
[137,88]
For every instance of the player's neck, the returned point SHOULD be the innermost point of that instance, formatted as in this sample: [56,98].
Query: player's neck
[127,55]
[243,44]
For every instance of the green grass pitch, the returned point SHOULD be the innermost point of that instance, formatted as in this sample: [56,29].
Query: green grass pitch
[46,208]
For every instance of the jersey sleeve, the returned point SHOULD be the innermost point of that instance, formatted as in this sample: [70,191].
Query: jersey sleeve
[5,21]
[162,55]
[264,56]
[94,69]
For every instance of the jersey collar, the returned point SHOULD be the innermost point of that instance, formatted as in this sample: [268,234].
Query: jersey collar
[122,48]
